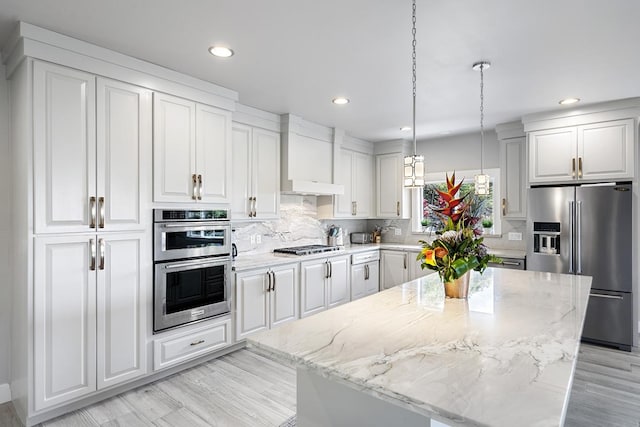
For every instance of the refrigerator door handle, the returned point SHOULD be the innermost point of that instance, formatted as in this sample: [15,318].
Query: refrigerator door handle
[606,296]
[571,226]
[579,237]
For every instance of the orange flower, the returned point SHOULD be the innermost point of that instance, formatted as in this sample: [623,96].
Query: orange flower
[429,256]
[441,252]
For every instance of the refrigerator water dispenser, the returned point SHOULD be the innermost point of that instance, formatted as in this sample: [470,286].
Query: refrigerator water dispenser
[546,238]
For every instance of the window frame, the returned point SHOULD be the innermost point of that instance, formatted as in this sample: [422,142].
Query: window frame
[468,176]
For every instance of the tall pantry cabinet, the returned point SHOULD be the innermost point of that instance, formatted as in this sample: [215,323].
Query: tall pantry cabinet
[81,166]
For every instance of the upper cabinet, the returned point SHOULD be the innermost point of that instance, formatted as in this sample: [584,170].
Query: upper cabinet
[256,173]
[392,200]
[513,169]
[192,151]
[594,144]
[92,139]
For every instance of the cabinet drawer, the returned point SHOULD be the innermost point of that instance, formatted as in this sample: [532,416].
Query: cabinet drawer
[365,257]
[179,348]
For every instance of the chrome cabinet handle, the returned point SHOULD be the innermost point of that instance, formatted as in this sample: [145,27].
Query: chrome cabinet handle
[573,167]
[405,261]
[330,269]
[268,281]
[579,167]
[252,207]
[199,187]
[197,342]
[255,202]
[92,212]
[194,183]
[504,207]
[366,272]
[606,296]
[571,230]
[273,282]
[101,252]
[397,208]
[92,249]
[101,212]
[326,269]
[579,237]
[353,208]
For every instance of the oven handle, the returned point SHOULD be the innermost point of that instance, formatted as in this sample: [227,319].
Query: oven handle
[194,226]
[195,263]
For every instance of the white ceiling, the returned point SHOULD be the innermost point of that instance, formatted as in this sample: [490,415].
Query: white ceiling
[294,56]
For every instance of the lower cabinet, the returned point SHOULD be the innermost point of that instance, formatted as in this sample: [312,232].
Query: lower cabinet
[399,267]
[324,283]
[365,274]
[90,308]
[179,347]
[266,298]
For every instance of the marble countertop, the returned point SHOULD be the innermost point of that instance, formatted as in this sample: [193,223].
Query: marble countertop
[503,357]
[248,262]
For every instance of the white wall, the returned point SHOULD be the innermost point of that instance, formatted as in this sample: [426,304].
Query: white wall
[5,286]
[459,152]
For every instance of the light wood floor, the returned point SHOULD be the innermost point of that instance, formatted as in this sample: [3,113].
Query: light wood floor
[246,389]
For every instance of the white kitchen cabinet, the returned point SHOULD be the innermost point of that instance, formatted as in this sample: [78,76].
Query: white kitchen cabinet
[513,155]
[355,172]
[266,298]
[324,283]
[90,304]
[256,173]
[398,267]
[598,151]
[192,151]
[391,196]
[92,138]
[365,274]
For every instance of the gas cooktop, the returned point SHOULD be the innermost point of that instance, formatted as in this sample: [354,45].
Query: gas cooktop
[306,250]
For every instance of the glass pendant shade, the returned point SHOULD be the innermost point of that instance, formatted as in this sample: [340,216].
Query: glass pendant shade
[414,171]
[482,184]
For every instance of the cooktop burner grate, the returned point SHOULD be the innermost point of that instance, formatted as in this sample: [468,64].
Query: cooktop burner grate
[306,249]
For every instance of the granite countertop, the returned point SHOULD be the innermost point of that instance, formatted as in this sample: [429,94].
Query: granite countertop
[265,260]
[503,357]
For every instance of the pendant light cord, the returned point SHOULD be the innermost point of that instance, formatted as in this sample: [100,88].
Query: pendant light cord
[481,118]
[413,32]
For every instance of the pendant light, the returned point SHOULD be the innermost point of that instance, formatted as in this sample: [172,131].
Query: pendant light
[482,180]
[414,165]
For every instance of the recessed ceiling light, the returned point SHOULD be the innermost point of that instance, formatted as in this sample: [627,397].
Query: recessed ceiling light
[405,128]
[340,100]
[220,51]
[568,101]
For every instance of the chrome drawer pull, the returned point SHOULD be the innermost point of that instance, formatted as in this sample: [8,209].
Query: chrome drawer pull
[196,342]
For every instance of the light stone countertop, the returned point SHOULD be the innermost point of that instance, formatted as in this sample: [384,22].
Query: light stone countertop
[265,260]
[504,357]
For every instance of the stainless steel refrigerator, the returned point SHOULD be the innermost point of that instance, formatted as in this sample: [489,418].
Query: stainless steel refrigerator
[586,230]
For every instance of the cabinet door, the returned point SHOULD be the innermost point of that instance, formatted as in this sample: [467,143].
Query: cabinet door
[394,268]
[122,308]
[241,160]
[606,150]
[389,190]
[362,184]
[123,154]
[358,281]
[284,297]
[552,155]
[313,293]
[513,183]
[174,145]
[252,303]
[64,345]
[64,139]
[339,291]
[372,284]
[213,153]
[415,271]
[266,171]
[344,175]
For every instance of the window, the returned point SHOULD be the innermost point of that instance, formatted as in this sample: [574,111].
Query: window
[424,220]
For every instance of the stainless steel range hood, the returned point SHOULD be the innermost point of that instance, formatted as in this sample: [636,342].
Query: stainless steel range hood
[307,158]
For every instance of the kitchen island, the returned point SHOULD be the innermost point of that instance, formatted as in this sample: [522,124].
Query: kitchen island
[407,355]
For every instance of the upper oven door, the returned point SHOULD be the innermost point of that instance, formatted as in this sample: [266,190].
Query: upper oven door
[190,240]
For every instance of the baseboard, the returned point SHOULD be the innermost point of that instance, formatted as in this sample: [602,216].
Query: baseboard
[5,393]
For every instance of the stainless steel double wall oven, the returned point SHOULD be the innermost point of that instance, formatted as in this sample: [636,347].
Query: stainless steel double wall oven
[192,263]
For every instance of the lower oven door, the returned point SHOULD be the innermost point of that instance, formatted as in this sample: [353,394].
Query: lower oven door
[191,290]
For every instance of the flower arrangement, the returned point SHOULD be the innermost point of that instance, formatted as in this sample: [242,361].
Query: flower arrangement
[458,248]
